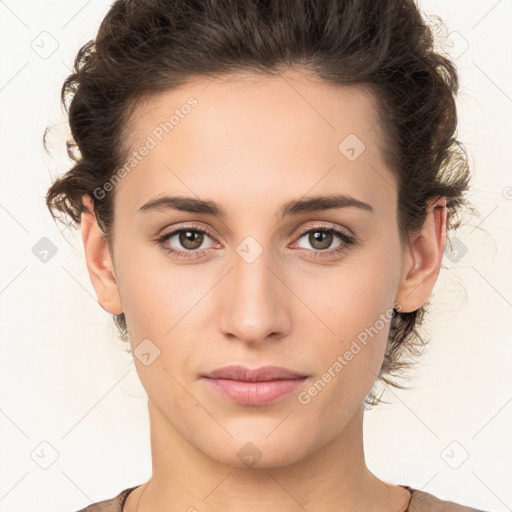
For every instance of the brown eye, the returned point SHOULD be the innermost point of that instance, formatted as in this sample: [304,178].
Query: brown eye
[324,241]
[191,239]
[186,242]
[320,240]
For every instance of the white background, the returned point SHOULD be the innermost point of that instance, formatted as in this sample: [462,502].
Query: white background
[66,380]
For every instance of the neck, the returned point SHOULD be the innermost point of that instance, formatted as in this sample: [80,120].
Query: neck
[333,477]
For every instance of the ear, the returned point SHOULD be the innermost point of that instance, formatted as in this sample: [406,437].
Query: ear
[422,258]
[99,261]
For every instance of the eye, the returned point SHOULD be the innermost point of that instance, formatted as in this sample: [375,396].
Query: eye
[186,241]
[189,239]
[321,238]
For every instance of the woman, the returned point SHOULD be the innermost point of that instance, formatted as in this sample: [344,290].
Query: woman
[264,191]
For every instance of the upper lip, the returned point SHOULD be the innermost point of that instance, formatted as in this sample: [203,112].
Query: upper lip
[264,373]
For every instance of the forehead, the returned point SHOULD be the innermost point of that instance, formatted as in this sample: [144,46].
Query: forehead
[245,136]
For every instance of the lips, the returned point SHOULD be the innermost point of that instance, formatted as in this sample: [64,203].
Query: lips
[260,386]
[264,373]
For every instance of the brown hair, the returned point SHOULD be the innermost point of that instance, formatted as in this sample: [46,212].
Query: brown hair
[146,47]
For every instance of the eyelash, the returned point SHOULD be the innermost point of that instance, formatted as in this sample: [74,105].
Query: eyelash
[346,239]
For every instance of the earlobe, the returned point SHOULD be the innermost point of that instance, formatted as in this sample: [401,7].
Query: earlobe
[99,261]
[422,261]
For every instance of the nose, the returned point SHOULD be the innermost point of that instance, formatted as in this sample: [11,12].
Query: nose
[253,306]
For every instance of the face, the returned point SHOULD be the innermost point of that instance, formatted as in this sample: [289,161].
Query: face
[268,276]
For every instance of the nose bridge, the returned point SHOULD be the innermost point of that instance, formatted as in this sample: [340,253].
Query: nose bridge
[252,308]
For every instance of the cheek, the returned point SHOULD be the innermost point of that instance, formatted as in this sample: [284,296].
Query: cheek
[348,364]
[171,307]
[159,297]
[353,313]
[349,298]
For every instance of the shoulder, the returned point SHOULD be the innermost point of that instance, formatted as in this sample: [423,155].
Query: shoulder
[424,502]
[110,505]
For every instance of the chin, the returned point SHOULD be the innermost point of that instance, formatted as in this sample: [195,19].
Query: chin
[259,451]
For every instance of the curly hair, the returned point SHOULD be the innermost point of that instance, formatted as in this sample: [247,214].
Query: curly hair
[146,47]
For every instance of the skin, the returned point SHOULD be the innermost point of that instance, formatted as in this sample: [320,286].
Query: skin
[252,145]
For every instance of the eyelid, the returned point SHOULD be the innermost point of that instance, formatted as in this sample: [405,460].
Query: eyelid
[325,226]
[184,226]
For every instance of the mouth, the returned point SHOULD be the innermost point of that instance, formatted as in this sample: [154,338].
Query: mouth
[260,386]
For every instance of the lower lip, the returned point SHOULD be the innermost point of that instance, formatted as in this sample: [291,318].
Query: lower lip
[255,393]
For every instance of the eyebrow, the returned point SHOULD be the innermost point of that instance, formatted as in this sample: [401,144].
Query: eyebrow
[294,207]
